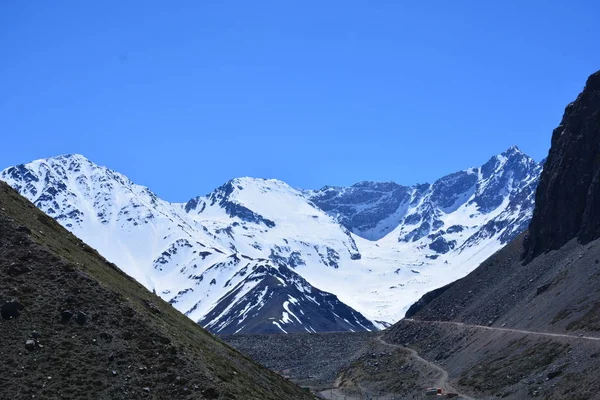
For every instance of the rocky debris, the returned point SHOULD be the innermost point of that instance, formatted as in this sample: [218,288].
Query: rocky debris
[146,389]
[30,344]
[35,334]
[308,359]
[16,269]
[11,309]
[67,315]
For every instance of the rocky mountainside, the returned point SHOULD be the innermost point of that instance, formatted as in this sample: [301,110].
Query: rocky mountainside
[75,326]
[373,210]
[573,163]
[521,329]
[257,255]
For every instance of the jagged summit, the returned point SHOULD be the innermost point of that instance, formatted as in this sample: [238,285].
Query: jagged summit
[374,210]
[514,149]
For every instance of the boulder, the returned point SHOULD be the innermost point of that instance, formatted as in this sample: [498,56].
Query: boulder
[11,309]
[80,318]
[65,316]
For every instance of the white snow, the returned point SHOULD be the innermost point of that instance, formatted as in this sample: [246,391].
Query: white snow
[160,244]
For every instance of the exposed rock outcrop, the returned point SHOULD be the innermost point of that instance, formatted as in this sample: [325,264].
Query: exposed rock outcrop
[568,196]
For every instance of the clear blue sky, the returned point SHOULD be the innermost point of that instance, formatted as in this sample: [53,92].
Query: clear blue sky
[182,96]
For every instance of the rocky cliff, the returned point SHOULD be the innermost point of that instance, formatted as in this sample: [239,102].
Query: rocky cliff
[568,196]
[520,330]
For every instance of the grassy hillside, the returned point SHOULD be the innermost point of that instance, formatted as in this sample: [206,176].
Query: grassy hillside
[96,333]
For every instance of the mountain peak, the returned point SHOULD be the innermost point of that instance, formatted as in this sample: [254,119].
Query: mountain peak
[248,180]
[72,157]
[261,185]
[512,150]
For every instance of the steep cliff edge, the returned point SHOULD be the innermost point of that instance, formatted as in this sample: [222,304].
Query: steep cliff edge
[568,195]
[526,322]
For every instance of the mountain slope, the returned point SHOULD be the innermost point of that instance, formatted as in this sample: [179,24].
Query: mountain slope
[493,346]
[164,247]
[281,301]
[376,246]
[75,326]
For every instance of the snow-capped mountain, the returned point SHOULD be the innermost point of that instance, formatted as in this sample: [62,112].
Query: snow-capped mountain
[504,185]
[249,256]
[166,247]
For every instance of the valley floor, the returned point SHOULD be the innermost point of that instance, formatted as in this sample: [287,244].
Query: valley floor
[360,366]
[345,366]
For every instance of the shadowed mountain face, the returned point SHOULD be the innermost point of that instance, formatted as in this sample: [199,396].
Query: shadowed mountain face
[281,292]
[568,198]
[74,326]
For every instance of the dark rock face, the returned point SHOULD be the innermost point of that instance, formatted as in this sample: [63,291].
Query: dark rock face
[447,190]
[364,206]
[442,246]
[568,195]
[490,190]
[282,292]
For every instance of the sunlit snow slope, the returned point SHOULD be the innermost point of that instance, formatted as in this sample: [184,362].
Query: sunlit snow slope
[249,256]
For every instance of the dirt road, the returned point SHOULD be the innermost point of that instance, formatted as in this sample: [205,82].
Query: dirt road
[335,394]
[492,328]
[443,380]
